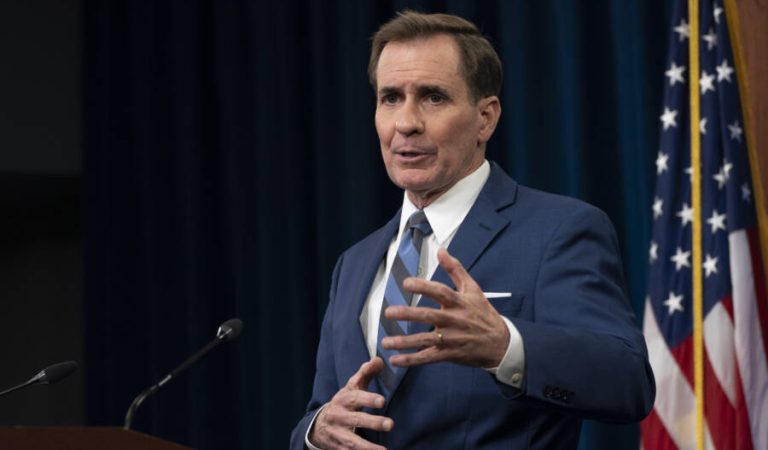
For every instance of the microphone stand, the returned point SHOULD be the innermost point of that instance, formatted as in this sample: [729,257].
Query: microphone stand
[229,330]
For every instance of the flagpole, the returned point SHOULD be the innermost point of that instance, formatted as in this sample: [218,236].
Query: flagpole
[698,322]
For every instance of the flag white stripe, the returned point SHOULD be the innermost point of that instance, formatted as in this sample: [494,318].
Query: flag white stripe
[718,339]
[750,352]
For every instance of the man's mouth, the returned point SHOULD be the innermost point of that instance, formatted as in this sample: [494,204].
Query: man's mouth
[411,155]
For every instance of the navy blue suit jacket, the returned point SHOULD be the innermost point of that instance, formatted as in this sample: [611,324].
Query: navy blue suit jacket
[584,355]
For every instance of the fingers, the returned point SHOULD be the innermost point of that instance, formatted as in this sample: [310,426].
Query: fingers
[356,399]
[334,415]
[367,371]
[371,422]
[347,439]
[412,341]
[427,356]
[460,277]
[441,293]
[416,314]
[335,425]
[432,345]
[337,431]
[437,291]
[355,395]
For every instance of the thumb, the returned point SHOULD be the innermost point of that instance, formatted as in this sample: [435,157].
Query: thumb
[367,371]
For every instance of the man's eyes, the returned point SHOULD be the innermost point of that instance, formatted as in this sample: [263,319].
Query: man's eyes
[389,99]
[435,99]
[432,99]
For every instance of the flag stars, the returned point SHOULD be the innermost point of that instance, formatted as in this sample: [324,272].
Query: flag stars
[661,163]
[707,82]
[720,178]
[710,266]
[727,167]
[658,204]
[685,214]
[703,125]
[653,252]
[675,74]
[674,303]
[724,71]
[735,130]
[680,258]
[710,38]
[717,221]
[683,30]
[746,193]
[668,118]
[716,13]
[723,175]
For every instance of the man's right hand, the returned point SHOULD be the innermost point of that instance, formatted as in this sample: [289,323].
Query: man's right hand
[334,427]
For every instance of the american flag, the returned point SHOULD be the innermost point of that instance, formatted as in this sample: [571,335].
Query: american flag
[734,301]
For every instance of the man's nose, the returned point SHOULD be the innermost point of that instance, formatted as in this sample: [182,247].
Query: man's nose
[409,120]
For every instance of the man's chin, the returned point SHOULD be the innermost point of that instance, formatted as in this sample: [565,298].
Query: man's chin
[412,182]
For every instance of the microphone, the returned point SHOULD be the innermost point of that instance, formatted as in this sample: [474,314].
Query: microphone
[50,374]
[227,331]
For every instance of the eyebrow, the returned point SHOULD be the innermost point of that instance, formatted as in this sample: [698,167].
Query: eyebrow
[428,89]
[387,90]
[421,91]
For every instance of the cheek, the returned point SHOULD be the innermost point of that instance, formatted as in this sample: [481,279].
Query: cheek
[457,128]
[383,130]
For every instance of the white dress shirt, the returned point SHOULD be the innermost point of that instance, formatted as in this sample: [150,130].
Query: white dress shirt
[445,215]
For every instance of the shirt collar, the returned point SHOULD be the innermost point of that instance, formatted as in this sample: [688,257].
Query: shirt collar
[447,212]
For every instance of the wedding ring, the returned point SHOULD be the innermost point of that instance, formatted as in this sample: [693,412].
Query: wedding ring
[439,337]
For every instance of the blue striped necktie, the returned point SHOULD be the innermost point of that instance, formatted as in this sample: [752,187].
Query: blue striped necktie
[405,264]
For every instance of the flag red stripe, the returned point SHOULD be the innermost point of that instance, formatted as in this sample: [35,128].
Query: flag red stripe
[727,303]
[743,427]
[654,435]
[726,421]
[683,354]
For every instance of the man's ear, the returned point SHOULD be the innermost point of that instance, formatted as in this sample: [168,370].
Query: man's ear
[490,112]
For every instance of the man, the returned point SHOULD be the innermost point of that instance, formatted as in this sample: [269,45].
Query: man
[511,336]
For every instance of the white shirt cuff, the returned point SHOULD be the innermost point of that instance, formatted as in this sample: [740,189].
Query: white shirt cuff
[309,428]
[512,367]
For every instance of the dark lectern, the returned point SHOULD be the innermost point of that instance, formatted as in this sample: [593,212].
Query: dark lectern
[80,438]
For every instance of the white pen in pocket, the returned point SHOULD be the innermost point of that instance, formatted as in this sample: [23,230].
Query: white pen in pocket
[497,294]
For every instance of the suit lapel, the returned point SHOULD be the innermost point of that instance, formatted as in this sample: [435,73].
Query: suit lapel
[355,342]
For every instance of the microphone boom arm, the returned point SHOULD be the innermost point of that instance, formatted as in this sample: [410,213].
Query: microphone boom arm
[227,331]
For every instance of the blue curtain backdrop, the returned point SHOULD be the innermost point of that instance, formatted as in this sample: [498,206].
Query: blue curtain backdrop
[230,156]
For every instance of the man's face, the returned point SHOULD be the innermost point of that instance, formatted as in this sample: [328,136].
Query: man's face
[431,133]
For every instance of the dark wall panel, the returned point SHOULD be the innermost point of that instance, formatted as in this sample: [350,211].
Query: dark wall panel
[41,291]
[40,86]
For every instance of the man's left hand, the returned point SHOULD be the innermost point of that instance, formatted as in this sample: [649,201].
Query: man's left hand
[468,330]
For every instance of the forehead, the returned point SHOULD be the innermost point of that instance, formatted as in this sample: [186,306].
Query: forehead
[432,60]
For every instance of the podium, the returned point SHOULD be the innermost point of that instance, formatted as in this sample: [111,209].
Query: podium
[80,438]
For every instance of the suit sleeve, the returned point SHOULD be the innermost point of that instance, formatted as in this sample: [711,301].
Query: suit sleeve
[325,384]
[584,352]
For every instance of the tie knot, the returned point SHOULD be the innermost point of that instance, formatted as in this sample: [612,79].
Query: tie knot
[418,221]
